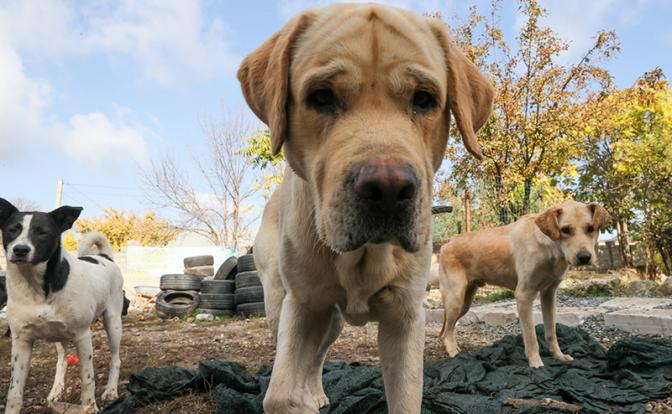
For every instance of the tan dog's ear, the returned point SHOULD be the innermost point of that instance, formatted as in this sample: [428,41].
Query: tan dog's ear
[470,94]
[601,218]
[548,222]
[264,78]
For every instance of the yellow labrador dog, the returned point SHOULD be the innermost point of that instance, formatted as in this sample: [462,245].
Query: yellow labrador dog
[529,257]
[359,96]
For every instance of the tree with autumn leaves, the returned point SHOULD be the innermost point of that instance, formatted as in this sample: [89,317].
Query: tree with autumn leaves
[120,228]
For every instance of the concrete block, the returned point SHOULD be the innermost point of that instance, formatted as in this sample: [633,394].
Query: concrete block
[639,303]
[568,316]
[499,317]
[433,315]
[642,321]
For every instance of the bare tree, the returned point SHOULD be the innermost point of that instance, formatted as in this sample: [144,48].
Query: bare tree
[219,208]
[25,204]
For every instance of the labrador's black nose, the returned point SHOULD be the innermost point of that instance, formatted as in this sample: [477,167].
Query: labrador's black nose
[386,183]
[583,257]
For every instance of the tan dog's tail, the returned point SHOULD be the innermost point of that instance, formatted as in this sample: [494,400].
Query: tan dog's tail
[97,239]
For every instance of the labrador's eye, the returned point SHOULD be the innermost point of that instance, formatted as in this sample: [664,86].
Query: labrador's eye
[566,230]
[423,101]
[590,229]
[322,100]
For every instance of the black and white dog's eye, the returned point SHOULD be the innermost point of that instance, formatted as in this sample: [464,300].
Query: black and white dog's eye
[423,101]
[566,230]
[322,100]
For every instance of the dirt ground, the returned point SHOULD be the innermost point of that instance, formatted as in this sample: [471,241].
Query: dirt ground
[152,342]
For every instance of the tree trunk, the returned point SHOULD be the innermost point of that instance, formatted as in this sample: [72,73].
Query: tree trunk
[502,205]
[467,210]
[526,197]
[623,242]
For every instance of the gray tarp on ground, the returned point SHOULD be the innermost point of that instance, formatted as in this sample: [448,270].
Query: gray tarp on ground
[621,380]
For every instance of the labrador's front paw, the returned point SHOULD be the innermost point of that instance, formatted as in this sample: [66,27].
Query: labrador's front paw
[535,361]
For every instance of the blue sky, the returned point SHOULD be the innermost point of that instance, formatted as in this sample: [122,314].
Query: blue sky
[92,92]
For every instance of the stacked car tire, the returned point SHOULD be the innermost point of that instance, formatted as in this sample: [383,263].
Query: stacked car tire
[249,292]
[234,288]
[199,265]
[179,295]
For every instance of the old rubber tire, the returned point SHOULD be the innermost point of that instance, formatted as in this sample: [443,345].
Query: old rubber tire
[250,294]
[180,282]
[246,263]
[225,301]
[195,261]
[247,279]
[251,309]
[200,271]
[176,303]
[228,269]
[218,312]
[217,286]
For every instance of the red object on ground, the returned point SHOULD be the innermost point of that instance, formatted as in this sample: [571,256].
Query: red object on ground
[72,360]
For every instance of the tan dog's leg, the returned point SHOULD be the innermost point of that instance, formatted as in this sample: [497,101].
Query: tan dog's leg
[315,377]
[547,298]
[59,380]
[401,344]
[301,333]
[22,350]
[453,292]
[274,294]
[524,300]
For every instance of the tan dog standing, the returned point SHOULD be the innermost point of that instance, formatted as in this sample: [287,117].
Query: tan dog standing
[359,96]
[529,257]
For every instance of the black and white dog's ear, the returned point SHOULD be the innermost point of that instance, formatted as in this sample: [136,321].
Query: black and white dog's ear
[65,216]
[6,210]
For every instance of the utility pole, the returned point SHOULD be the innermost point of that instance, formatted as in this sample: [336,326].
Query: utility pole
[59,192]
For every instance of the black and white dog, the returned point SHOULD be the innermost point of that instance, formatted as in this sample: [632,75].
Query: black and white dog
[55,296]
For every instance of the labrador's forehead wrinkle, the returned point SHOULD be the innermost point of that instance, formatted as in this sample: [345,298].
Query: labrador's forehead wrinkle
[394,39]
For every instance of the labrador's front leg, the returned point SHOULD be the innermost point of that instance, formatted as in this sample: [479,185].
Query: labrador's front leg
[401,343]
[301,331]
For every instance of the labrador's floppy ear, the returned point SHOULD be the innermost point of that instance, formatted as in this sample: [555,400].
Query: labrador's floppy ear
[601,218]
[264,77]
[548,222]
[470,94]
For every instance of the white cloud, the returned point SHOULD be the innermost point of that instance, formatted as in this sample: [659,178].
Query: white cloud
[26,124]
[94,140]
[169,41]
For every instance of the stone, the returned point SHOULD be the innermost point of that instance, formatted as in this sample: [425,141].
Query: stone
[640,288]
[639,303]
[499,317]
[434,315]
[568,316]
[665,288]
[642,321]
[205,317]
